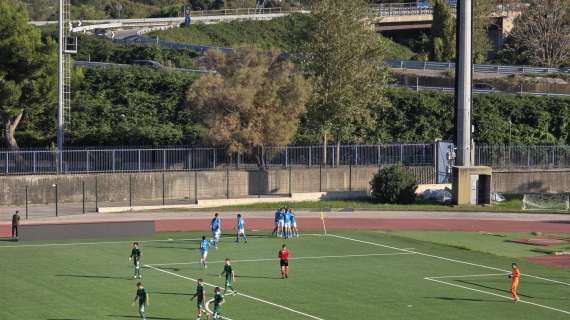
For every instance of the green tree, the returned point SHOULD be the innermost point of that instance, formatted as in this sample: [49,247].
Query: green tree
[147,108]
[442,32]
[27,65]
[541,35]
[253,100]
[345,59]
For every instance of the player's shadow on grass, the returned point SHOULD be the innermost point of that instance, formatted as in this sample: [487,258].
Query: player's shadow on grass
[257,277]
[173,293]
[492,288]
[172,247]
[464,299]
[173,269]
[92,276]
[8,240]
[138,317]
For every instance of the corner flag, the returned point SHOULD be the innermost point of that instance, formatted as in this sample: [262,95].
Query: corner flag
[324,224]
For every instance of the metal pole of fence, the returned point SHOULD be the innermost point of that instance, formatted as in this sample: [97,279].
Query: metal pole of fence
[214,162]
[130,191]
[379,154]
[56,201]
[286,157]
[196,186]
[528,157]
[26,202]
[96,195]
[227,183]
[355,155]
[321,177]
[290,181]
[83,195]
[350,171]
[163,189]
[7,170]
[310,148]
[350,177]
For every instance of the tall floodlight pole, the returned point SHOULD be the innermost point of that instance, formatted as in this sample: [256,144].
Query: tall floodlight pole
[463,83]
[60,84]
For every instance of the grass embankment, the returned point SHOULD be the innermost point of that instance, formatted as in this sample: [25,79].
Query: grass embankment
[512,204]
[285,33]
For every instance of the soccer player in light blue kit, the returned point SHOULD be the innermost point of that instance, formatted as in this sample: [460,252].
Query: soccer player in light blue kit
[240,227]
[216,229]
[294,228]
[277,215]
[287,224]
[281,223]
[204,247]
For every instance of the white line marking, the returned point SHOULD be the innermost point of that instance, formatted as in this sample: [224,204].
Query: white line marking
[210,311]
[293,258]
[471,276]
[447,259]
[497,295]
[93,243]
[240,293]
[114,242]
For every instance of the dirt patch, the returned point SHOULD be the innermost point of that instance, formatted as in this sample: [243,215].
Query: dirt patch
[561,261]
[544,242]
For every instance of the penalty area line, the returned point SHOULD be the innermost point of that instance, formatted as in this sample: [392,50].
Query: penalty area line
[496,295]
[239,294]
[292,258]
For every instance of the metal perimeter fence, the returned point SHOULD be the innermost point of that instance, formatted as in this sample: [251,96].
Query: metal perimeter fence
[109,160]
[520,156]
[100,160]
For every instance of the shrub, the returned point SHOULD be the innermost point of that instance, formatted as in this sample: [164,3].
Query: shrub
[394,184]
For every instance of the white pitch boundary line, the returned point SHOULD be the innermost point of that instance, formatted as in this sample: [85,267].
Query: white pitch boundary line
[293,258]
[93,243]
[497,295]
[115,242]
[446,259]
[240,293]
[210,311]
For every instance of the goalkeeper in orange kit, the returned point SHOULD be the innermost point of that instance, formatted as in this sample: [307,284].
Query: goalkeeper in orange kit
[515,276]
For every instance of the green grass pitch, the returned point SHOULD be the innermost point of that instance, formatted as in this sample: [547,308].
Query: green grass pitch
[380,276]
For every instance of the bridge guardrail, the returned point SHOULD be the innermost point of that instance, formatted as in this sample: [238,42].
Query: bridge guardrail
[479,68]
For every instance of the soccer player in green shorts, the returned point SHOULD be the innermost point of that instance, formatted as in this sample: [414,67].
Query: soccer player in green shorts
[200,296]
[136,258]
[218,301]
[230,276]
[142,297]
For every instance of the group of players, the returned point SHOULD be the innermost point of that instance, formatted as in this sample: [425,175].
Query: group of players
[285,223]
[285,226]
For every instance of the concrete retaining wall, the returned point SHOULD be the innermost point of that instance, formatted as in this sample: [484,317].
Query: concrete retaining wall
[150,188]
[528,181]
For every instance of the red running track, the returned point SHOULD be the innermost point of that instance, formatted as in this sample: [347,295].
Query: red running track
[380,224]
